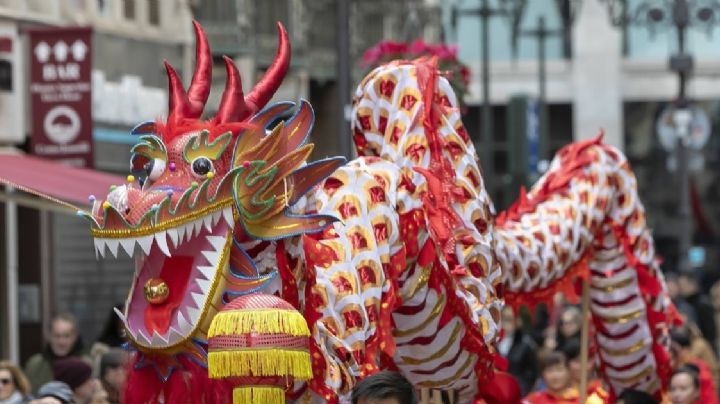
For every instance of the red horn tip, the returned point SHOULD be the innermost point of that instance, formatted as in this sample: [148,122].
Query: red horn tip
[266,87]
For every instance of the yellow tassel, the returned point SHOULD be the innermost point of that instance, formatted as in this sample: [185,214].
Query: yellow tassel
[258,395]
[260,362]
[260,321]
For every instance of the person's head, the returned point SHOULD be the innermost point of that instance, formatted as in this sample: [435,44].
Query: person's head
[571,350]
[554,371]
[77,374]
[685,385]
[113,368]
[570,321]
[54,392]
[631,396]
[384,388]
[715,295]
[689,282]
[508,320]
[12,379]
[63,334]
[680,346]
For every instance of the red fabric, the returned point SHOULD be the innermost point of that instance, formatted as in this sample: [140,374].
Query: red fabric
[503,388]
[708,393]
[69,184]
[188,382]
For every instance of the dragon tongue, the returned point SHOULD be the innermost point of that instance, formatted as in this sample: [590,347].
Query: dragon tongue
[176,273]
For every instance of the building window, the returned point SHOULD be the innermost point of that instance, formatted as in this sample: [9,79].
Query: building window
[270,11]
[129,9]
[154,12]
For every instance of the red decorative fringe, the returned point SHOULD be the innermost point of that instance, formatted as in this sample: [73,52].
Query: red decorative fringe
[189,384]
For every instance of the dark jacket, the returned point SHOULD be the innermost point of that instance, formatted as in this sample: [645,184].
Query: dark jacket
[523,361]
[39,368]
[705,315]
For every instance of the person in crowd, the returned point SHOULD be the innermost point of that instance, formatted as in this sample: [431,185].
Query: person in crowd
[689,282]
[715,301]
[570,325]
[700,348]
[14,386]
[77,374]
[112,336]
[686,311]
[556,377]
[384,388]
[682,357]
[520,351]
[572,351]
[54,393]
[685,386]
[63,341]
[113,373]
[631,396]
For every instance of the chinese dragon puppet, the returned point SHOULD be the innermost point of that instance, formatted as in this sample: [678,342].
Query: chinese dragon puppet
[396,259]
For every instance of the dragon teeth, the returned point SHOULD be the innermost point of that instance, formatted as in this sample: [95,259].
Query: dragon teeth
[161,240]
[141,338]
[100,247]
[113,244]
[120,315]
[228,216]
[128,245]
[216,217]
[211,256]
[158,339]
[207,271]
[207,221]
[217,242]
[198,298]
[194,314]
[204,286]
[173,234]
[145,243]
[183,324]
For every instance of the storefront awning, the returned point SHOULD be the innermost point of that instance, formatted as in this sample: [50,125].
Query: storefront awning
[50,180]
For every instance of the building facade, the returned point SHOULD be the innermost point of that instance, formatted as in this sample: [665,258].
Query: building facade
[55,268]
[603,77]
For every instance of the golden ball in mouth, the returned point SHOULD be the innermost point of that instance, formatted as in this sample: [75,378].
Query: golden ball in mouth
[156,291]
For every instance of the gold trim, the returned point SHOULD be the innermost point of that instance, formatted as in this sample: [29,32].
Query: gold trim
[422,280]
[438,354]
[433,314]
[208,301]
[152,229]
[622,319]
[456,376]
[616,285]
[626,351]
[636,378]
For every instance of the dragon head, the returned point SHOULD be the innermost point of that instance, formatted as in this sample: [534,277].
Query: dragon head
[201,187]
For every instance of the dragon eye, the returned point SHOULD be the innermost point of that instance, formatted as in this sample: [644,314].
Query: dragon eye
[154,169]
[145,168]
[201,166]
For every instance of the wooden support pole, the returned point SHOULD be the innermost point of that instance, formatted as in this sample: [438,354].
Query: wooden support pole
[584,337]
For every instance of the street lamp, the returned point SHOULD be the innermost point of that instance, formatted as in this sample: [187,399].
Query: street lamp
[681,15]
[568,10]
[507,8]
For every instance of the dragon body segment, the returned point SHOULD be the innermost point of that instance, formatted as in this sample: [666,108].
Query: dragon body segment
[396,259]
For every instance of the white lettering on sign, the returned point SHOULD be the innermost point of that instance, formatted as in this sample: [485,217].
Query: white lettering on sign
[67,72]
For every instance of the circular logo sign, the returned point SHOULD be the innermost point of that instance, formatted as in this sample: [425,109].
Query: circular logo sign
[62,124]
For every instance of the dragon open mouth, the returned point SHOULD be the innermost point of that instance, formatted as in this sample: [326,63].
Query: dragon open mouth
[188,260]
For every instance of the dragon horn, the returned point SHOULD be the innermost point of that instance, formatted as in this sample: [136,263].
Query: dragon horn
[191,104]
[232,106]
[266,87]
